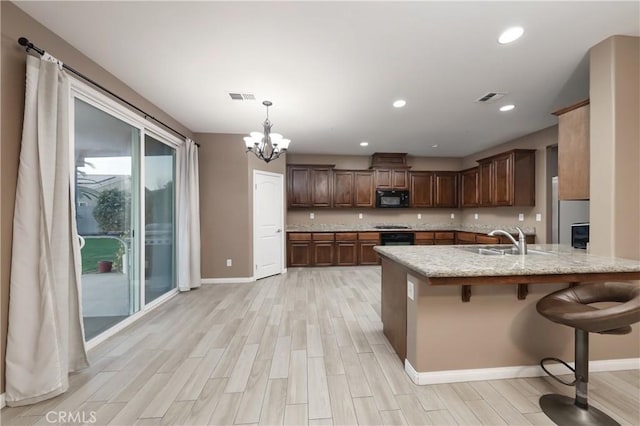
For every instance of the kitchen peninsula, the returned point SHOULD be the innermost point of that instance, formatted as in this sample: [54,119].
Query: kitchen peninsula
[495,334]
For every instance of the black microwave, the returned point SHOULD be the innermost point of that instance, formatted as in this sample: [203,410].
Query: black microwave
[579,235]
[392,198]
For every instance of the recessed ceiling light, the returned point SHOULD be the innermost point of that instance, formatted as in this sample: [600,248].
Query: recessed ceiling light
[399,103]
[434,146]
[510,35]
[506,108]
[364,143]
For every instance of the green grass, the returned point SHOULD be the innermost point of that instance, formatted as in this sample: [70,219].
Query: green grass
[96,249]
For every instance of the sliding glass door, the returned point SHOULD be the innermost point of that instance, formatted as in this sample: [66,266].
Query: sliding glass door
[159,215]
[125,210]
[107,203]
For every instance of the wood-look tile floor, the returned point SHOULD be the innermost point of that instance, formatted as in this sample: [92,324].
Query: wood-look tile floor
[302,348]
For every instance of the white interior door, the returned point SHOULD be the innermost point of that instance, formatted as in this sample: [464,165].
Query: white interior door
[268,223]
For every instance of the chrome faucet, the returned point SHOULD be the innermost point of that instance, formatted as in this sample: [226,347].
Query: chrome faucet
[521,244]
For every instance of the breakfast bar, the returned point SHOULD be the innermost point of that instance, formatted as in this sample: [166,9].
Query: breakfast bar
[457,313]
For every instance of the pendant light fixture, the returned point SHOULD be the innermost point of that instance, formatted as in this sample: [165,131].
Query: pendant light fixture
[265,145]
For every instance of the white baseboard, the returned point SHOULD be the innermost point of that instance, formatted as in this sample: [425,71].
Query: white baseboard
[3,403]
[472,375]
[227,280]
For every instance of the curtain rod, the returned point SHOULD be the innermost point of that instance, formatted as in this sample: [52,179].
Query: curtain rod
[23,41]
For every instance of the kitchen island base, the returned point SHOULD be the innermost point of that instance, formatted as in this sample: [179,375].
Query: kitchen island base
[495,335]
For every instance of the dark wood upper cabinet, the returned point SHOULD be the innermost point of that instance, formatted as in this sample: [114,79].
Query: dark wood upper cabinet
[421,189]
[485,183]
[353,188]
[321,187]
[392,178]
[503,180]
[508,179]
[343,188]
[364,189]
[309,186]
[298,187]
[446,189]
[469,187]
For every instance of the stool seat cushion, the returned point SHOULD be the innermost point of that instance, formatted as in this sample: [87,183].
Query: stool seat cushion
[571,306]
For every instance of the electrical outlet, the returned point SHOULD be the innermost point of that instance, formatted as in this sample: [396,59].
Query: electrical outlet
[360,216]
[229,262]
[521,217]
[475,216]
[419,216]
[538,217]
[312,215]
[410,290]
[453,216]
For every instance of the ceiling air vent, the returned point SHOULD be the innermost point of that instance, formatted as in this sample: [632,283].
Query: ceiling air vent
[242,96]
[491,97]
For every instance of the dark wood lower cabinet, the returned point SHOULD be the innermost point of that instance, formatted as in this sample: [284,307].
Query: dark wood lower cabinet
[367,255]
[323,253]
[299,253]
[346,253]
[351,248]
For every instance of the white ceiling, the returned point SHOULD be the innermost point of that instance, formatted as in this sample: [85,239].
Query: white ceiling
[332,69]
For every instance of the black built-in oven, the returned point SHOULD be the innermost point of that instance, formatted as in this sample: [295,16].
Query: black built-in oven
[396,238]
[392,198]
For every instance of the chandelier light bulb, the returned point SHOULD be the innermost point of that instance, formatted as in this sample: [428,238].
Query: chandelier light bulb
[249,141]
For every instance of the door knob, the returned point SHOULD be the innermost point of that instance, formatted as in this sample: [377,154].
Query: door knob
[279,231]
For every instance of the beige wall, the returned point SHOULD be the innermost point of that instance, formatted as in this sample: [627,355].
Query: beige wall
[226,203]
[615,147]
[362,162]
[16,24]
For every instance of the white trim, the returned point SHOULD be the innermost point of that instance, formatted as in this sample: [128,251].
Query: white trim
[2,401]
[283,241]
[123,112]
[130,320]
[472,375]
[227,280]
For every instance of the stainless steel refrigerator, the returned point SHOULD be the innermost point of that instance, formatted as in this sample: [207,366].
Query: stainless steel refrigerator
[564,214]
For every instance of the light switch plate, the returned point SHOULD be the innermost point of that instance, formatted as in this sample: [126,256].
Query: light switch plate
[312,215]
[419,216]
[475,216]
[410,290]
[538,217]
[453,216]
[521,217]
[360,216]
[229,262]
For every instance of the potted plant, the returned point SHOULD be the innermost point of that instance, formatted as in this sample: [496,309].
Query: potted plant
[104,266]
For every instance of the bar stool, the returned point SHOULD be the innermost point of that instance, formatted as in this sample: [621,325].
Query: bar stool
[571,307]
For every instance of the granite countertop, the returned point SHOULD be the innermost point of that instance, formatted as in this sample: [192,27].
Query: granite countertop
[364,227]
[458,261]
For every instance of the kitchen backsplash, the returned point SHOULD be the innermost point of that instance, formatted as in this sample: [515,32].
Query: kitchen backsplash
[497,217]
[383,216]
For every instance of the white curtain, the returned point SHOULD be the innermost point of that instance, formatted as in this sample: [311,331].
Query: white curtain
[45,338]
[188,217]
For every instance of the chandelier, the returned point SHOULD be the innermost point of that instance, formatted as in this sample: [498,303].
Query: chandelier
[265,145]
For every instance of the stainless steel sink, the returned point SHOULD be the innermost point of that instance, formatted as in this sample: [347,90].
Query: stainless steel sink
[501,251]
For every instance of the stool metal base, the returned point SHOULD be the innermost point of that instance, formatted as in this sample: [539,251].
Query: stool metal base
[563,411]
